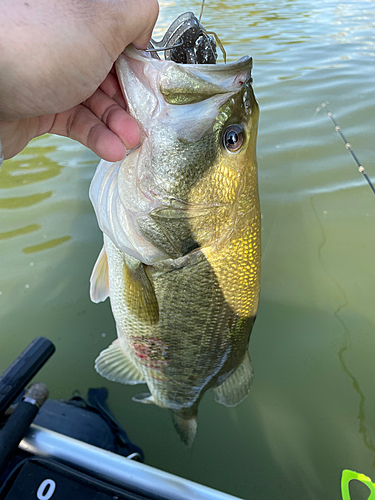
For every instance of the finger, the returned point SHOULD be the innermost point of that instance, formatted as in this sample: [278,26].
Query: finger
[115,117]
[83,126]
[142,42]
[111,87]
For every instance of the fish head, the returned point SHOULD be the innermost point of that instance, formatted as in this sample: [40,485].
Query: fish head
[198,133]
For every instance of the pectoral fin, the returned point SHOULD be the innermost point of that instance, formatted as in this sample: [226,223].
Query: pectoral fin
[139,291]
[237,386]
[99,289]
[113,364]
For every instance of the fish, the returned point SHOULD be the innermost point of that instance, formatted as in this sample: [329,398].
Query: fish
[180,217]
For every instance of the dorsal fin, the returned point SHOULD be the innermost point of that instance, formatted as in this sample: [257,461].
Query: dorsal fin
[237,386]
[99,287]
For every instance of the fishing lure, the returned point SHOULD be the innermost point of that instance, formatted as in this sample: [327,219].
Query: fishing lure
[187,41]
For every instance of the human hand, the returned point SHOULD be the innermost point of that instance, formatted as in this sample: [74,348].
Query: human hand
[56,71]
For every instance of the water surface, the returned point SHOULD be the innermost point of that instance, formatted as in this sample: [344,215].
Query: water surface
[311,412]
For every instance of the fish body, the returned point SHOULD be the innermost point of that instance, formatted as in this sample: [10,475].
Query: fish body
[181,223]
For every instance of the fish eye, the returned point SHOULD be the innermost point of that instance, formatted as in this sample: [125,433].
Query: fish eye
[233,138]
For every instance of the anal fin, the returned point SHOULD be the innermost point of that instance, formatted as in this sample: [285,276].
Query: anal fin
[113,364]
[237,385]
[99,288]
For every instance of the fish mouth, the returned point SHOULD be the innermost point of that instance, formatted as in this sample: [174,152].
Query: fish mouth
[164,89]
[143,54]
[219,71]
[175,76]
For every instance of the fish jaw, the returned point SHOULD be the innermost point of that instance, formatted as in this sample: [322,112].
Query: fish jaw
[184,98]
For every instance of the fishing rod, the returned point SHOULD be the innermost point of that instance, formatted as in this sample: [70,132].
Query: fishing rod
[349,148]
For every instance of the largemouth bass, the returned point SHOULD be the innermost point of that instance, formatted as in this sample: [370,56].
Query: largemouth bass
[181,222]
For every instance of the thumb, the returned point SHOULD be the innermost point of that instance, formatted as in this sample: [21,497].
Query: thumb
[131,21]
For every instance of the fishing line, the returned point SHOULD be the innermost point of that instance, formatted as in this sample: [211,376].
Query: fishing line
[160,49]
[218,41]
[348,146]
[200,15]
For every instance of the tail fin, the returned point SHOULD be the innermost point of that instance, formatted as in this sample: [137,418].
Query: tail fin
[186,426]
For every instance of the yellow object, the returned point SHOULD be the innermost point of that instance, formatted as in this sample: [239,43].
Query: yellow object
[349,475]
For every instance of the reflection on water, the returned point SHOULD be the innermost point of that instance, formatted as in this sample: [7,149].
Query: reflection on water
[24,201]
[347,340]
[17,232]
[311,411]
[47,244]
[35,166]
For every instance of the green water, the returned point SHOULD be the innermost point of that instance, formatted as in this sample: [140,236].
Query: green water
[311,412]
